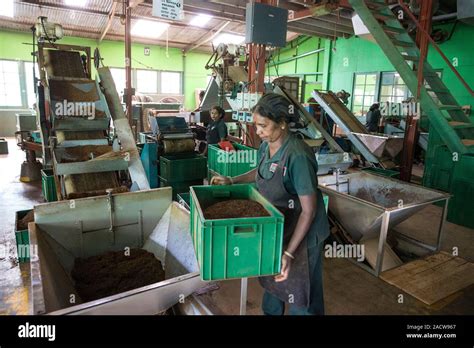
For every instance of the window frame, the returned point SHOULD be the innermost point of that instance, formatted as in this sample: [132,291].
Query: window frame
[376,91]
[158,80]
[407,92]
[22,84]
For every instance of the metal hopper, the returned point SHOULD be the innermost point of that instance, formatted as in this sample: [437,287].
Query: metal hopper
[382,145]
[85,227]
[367,205]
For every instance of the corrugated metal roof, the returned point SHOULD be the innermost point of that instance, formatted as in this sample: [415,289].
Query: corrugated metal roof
[91,20]
[95,5]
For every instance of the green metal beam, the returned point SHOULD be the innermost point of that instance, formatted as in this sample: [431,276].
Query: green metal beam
[327,63]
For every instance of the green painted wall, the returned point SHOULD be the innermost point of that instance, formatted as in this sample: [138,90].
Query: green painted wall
[12,47]
[310,64]
[356,55]
[195,76]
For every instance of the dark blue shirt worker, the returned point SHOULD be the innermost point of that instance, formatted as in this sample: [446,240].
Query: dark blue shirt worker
[372,118]
[287,177]
[217,129]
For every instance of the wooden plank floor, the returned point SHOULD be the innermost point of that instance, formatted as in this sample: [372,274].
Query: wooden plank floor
[432,278]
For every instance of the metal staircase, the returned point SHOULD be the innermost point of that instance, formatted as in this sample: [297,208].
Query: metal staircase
[444,113]
[449,164]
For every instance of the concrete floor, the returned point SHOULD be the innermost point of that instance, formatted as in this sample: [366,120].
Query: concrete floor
[348,289]
[15,195]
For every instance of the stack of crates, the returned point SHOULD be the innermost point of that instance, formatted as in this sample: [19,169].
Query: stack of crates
[239,247]
[182,172]
[226,163]
[22,237]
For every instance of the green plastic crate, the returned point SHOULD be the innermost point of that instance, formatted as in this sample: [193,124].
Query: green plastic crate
[22,237]
[178,169]
[48,186]
[232,163]
[235,248]
[179,187]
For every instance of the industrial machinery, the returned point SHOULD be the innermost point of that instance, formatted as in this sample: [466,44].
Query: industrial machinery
[230,88]
[146,219]
[46,31]
[169,155]
[25,131]
[379,149]
[367,206]
[75,113]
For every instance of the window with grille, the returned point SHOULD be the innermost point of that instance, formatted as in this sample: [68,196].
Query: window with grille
[147,81]
[118,74]
[365,89]
[170,82]
[392,88]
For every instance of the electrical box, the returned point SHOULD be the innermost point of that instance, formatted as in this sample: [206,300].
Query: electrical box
[265,24]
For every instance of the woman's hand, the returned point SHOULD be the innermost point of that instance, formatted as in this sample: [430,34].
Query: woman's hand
[220,180]
[285,269]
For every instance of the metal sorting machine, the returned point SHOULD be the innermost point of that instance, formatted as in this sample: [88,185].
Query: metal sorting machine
[75,114]
[368,205]
[379,149]
[95,225]
[169,155]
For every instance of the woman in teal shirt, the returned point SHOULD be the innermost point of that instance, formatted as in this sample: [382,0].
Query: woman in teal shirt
[287,177]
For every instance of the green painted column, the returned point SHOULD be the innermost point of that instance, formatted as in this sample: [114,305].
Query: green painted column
[327,63]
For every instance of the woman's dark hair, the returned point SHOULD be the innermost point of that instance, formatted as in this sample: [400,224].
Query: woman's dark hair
[220,111]
[274,107]
[374,106]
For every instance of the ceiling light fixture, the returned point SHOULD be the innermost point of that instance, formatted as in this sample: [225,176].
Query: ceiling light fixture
[149,29]
[200,20]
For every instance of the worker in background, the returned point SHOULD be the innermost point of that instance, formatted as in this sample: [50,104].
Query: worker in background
[286,176]
[217,129]
[373,118]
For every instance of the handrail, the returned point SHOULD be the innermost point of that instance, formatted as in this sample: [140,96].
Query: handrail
[419,27]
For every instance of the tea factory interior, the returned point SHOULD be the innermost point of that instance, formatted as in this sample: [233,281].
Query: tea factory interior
[149,148]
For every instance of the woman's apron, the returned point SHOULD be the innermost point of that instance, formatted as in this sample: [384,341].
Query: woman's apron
[295,289]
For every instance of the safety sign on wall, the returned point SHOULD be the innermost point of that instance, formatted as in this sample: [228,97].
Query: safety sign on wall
[169,9]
